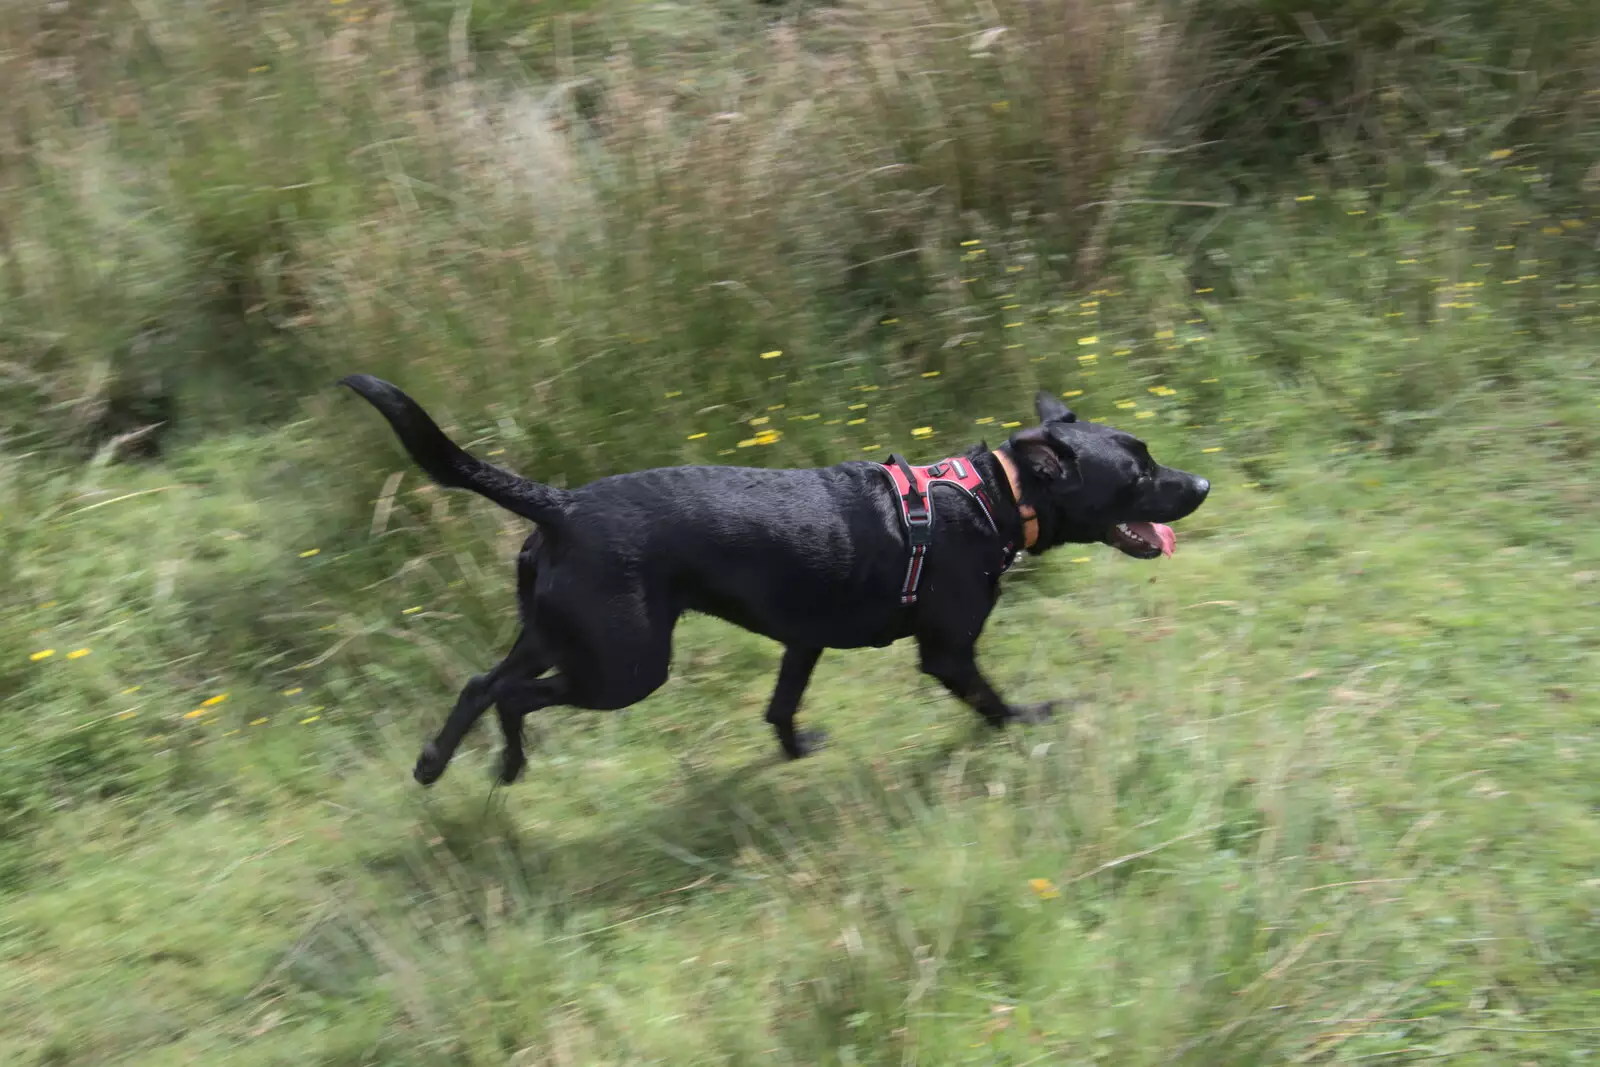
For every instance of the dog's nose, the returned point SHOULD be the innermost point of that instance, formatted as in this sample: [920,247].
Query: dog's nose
[1202,486]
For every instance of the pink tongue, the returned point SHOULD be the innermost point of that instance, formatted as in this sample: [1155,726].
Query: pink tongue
[1155,533]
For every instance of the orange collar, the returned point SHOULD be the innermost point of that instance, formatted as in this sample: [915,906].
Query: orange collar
[1030,519]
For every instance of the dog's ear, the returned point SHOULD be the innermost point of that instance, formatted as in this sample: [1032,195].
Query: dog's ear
[1045,458]
[1051,409]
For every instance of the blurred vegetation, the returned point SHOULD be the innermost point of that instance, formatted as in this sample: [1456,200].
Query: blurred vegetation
[1340,256]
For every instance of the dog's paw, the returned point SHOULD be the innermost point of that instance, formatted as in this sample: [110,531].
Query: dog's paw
[806,742]
[430,764]
[1031,713]
[511,765]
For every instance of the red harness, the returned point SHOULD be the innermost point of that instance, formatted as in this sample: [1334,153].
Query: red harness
[912,485]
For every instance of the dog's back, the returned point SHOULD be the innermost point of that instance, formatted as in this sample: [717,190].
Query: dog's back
[795,555]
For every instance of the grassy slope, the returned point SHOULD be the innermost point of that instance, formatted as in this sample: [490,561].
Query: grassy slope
[1327,793]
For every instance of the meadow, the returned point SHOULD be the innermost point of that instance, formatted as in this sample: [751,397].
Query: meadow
[1322,789]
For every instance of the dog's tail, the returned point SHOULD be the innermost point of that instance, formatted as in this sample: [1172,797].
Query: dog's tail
[452,466]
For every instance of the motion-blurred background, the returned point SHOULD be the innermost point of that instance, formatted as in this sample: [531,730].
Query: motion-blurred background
[1326,793]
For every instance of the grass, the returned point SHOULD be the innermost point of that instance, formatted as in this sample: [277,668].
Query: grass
[1324,791]
[1323,795]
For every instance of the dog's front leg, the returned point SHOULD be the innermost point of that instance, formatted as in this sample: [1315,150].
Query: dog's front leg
[793,676]
[955,665]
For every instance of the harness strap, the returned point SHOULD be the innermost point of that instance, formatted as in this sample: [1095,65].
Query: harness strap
[913,487]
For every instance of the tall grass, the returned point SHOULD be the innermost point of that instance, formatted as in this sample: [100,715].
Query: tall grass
[811,181]
[212,210]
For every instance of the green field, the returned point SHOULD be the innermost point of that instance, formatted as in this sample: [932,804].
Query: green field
[1322,789]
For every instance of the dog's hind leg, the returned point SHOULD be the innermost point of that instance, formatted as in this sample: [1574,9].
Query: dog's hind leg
[515,700]
[602,663]
[511,701]
[793,675]
[524,663]
[583,679]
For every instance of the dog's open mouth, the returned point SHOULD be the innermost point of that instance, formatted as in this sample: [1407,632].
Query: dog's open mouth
[1143,540]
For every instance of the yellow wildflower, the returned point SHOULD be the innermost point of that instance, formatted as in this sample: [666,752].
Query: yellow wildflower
[764,437]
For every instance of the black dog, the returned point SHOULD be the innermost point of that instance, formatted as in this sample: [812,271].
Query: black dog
[813,559]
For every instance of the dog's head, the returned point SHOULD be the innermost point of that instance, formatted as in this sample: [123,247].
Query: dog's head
[1088,482]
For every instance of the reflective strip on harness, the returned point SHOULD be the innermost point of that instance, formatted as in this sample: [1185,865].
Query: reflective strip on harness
[912,486]
[908,592]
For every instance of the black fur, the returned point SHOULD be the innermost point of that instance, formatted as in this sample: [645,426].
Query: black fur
[812,558]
